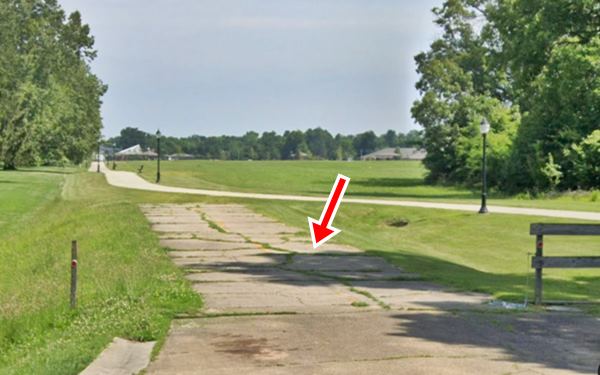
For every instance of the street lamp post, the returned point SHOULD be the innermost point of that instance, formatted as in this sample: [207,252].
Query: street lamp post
[484,128]
[114,163]
[158,156]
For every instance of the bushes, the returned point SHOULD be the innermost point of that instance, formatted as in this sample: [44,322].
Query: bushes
[585,159]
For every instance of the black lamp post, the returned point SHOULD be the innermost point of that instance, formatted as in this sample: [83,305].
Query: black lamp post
[484,128]
[158,156]
[98,163]
[114,163]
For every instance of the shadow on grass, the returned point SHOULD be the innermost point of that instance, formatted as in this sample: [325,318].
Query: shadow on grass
[510,287]
[42,170]
[426,196]
[390,182]
[448,192]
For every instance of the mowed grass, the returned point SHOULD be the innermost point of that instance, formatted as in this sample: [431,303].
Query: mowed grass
[128,287]
[382,179]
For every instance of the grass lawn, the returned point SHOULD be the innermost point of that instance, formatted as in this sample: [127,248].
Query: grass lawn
[130,288]
[128,285]
[389,179]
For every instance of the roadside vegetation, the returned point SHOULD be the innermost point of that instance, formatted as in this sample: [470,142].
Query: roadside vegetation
[128,286]
[382,179]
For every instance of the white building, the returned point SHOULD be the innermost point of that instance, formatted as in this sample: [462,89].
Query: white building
[398,153]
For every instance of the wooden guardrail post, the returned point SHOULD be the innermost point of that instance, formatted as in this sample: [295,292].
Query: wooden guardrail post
[539,252]
[73,274]
[539,262]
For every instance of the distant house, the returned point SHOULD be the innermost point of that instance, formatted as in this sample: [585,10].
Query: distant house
[180,157]
[398,153]
[136,153]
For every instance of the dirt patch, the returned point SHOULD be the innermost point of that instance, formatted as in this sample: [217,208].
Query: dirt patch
[397,222]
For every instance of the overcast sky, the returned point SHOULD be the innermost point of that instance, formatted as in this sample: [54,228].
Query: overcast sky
[230,66]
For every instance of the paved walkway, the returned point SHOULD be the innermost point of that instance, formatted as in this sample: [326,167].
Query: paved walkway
[274,306]
[131,180]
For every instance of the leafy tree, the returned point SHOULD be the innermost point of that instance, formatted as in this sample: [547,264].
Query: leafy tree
[270,146]
[564,109]
[365,143]
[49,99]
[531,68]
[390,138]
[294,145]
[320,143]
[585,158]
[133,136]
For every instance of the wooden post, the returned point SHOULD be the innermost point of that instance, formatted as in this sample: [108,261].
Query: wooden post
[539,251]
[73,274]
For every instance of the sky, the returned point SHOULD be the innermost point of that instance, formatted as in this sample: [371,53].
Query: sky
[232,66]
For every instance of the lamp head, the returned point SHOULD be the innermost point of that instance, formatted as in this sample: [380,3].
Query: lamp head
[484,126]
[158,134]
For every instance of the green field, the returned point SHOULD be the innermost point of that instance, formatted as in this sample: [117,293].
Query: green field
[389,179]
[130,288]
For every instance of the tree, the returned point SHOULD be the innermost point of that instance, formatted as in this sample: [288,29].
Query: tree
[413,138]
[294,145]
[49,99]
[365,143]
[564,109]
[531,68]
[320,143]
[270,146]
[390,138]
[131,137]
[585,158]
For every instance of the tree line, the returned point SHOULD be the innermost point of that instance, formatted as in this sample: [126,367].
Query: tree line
[49,97]
[532,69]
[310,144]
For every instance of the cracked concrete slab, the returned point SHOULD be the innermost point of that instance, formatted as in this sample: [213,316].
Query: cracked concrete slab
[321,263]
[249,229]
[233,262]
[255,274]
[371,342]
[197,244]
[352,313]
[420,295]
[307,248]
[121,357]
[209,235]
[294,296]
[175,228]
[222,254]
[380,275]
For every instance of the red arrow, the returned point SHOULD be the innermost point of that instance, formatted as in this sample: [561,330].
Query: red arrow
[321,231]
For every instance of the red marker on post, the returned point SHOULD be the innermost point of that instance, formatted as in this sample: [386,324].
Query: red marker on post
[321,231]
